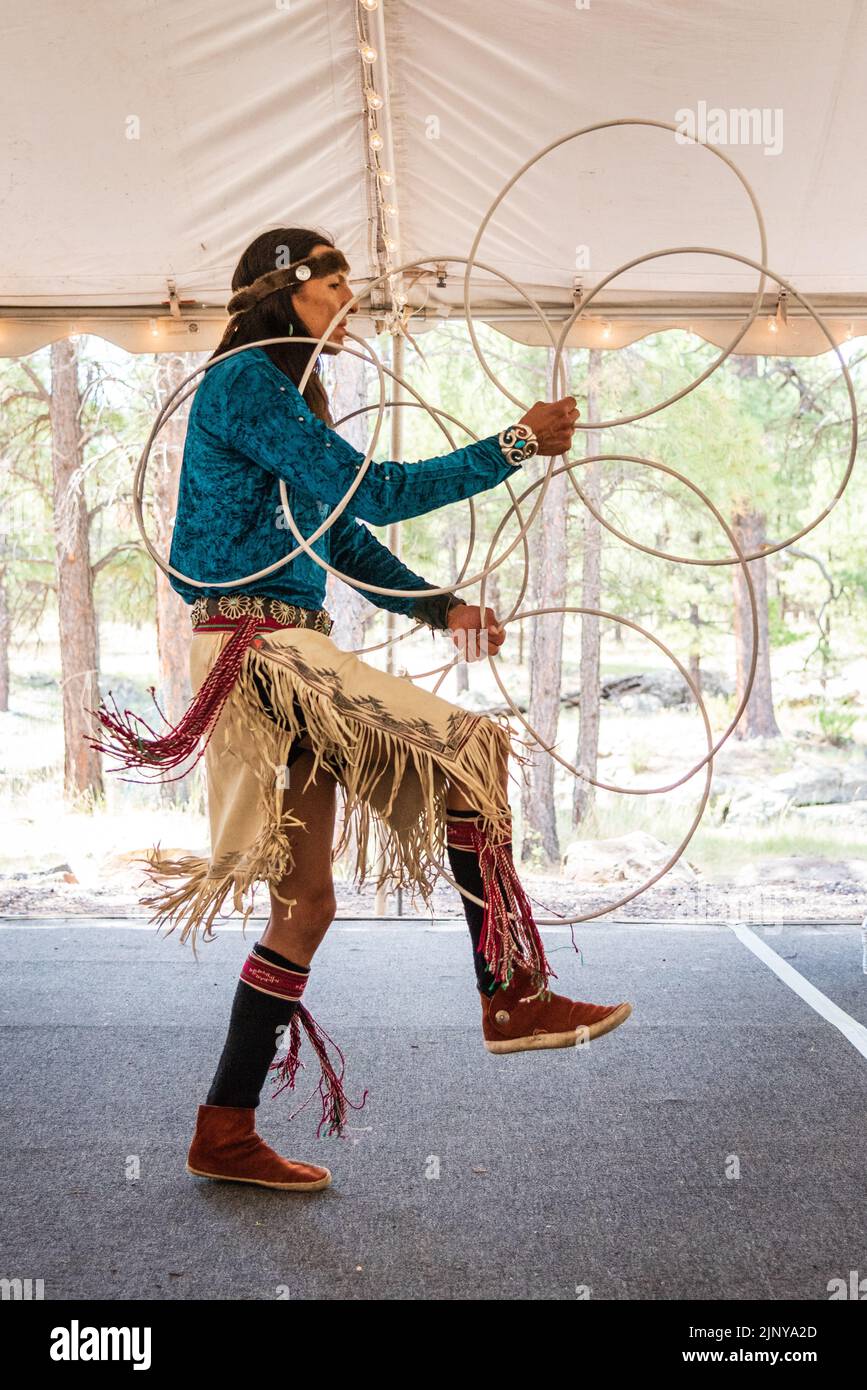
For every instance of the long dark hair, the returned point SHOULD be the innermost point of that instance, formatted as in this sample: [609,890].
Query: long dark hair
[275,316]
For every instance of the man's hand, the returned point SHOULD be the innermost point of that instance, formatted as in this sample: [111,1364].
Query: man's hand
[474,636]
[553,423]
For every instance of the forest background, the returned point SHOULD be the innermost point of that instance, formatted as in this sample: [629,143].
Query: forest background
[84,610]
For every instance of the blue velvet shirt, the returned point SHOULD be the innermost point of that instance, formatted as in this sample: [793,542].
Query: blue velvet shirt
[249,426]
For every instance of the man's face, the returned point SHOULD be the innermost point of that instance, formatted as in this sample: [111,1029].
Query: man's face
[319,300]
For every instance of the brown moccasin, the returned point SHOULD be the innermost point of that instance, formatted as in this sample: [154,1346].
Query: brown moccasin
[513,1022]
[226,1146]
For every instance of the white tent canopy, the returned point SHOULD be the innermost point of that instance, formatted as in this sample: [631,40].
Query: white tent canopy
[147,143]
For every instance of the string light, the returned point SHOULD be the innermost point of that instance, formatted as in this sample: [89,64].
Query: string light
[780,319]
[377,101]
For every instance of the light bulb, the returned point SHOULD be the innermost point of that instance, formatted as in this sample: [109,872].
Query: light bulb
[606,331]
[385,177]
[369,4]
[374,100]
[368,53]
[388,243]
[153,327]
[390,209]
[376,140]
[772,325]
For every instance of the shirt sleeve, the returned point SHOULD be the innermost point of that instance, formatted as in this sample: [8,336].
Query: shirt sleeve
[273,425]
[358,553]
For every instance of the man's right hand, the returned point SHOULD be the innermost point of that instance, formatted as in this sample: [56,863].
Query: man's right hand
[553,424]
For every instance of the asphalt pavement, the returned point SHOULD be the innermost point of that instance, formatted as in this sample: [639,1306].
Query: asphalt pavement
[713,1147]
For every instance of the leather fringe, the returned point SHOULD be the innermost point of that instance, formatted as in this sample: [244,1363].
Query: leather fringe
[369,762]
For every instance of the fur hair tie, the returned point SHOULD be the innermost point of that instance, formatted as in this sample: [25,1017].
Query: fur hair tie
[290,276]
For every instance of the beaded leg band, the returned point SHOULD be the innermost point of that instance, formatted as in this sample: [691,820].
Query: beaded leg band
[272,979]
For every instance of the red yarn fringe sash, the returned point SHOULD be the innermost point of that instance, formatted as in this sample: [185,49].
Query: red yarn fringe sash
[331,1091]
[503,938]
[198,722]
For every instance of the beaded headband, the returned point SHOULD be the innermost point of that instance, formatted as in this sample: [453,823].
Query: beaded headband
[288,276]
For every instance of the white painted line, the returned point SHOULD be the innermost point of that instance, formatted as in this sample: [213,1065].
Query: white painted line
[852,1030]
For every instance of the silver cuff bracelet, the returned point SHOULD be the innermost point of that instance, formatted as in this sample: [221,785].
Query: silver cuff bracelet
[518,443]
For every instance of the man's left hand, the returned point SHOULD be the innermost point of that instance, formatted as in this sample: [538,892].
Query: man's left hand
[474,636]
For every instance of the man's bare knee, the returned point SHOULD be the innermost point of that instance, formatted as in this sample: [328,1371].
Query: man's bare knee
[297,926]
[314,910]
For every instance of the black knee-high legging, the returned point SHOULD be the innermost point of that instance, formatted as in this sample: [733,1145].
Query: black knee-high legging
[252,1039]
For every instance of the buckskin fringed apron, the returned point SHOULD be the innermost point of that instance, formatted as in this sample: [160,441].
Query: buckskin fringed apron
[392,746]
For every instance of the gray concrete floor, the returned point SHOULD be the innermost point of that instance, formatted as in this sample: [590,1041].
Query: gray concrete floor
[607,1166]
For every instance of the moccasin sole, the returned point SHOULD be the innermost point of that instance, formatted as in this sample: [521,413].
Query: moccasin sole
[259,1182]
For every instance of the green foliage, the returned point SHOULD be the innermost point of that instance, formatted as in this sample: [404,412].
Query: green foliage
[761,433]
[533,856]
[836,722]
[780,633]
[640,756]
[119,401]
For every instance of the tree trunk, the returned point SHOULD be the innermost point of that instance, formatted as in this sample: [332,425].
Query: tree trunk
[82,768]
[5,638]
[174,631]
[492,600]
[349,608]
[492,593]
[695,647]
[461,670]
[589,479]
[757,720]
[546,654]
